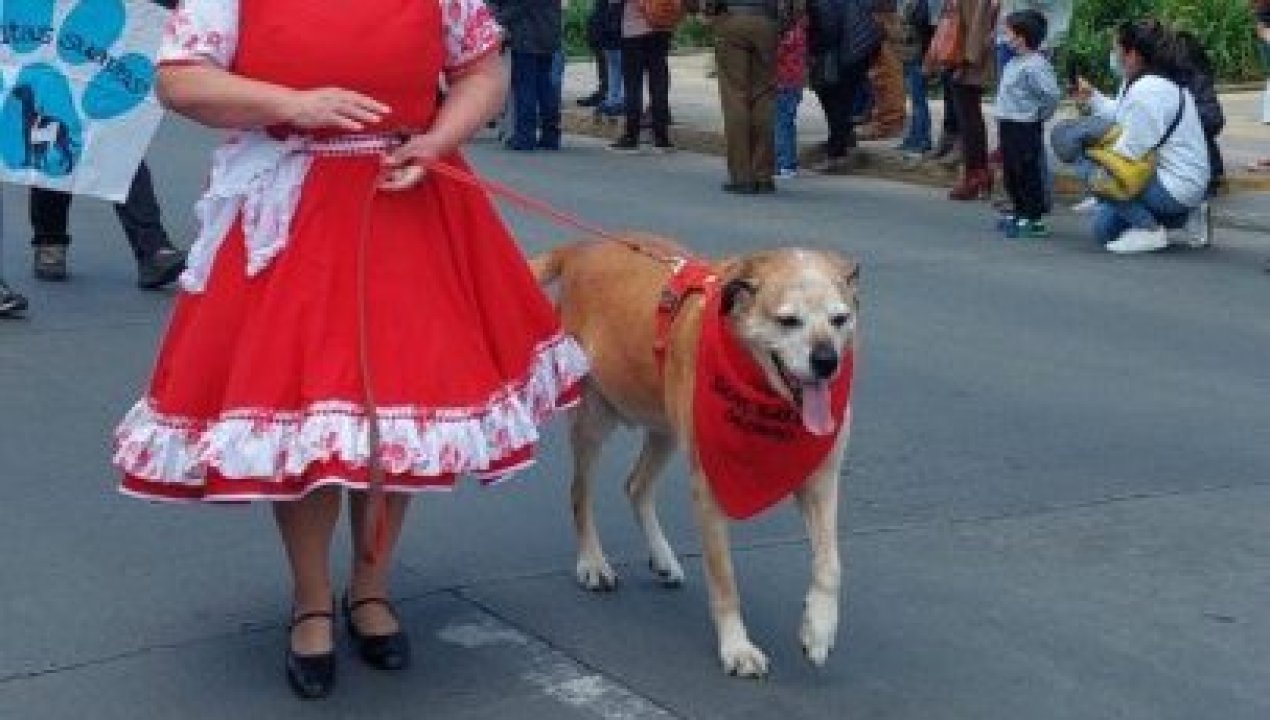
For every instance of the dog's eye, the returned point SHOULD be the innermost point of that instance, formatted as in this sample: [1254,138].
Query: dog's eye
[840,321]
[789,322]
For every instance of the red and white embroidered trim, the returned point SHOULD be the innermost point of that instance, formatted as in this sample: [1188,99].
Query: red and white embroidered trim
[269,445]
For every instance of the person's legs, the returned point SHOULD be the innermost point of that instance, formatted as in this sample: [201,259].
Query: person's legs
[918,137]
[614,99]
[371,579]
[659,86]
[550,79]
[732,64]
[1145,216]
[1029,199]
[50,218]
[633,64]
[306,526]
[141,218]
[525,83]
[762,83]
[786,131]
[1108,223]
[969,106]
[1012,166]
[888,81]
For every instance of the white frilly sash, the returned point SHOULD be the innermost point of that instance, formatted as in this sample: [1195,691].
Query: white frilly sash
[259,178]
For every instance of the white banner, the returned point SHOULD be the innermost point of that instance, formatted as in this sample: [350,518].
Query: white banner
[77,87]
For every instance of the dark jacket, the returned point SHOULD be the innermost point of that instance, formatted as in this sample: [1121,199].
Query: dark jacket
[1211,115]
[604,25]
[840,33]
[532,26]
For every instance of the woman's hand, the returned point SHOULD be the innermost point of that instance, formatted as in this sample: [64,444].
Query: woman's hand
[1083,93]
[406,166]
[333,108]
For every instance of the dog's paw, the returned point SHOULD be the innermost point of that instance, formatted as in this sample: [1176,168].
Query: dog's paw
[819,628]
[596,575]
[743,659]
[667,570]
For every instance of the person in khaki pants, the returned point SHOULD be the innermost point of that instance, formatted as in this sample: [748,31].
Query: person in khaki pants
[745,37]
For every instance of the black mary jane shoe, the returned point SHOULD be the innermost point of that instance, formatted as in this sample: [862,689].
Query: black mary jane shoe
[310,676]
[386,652]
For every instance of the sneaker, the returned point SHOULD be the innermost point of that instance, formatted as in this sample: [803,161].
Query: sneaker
[1139,241]
[591,100]
[160,269]
[626,145]
[1086,206]
[1199,227]
[1026,229]
[12,304]
[787,173]
[50,263]
[1007,223]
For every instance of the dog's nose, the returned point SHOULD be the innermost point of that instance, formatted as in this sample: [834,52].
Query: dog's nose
[824,361]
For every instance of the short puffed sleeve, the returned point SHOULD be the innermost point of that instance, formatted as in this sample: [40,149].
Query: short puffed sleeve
[470,32]
[201,31]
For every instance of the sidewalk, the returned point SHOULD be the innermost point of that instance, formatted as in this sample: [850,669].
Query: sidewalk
[694,102]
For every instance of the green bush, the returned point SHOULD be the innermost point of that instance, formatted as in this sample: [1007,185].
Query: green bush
[1225,28]
[690,34]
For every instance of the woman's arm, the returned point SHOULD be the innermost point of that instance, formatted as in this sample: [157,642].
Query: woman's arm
[221,99]
[474,95]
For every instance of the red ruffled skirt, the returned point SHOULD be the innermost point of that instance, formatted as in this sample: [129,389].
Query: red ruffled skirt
[257,392]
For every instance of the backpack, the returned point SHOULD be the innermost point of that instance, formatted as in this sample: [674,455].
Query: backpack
[662,14]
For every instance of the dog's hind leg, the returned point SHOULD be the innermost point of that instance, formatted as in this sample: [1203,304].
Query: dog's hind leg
[818,501]
[593,422]
[640,488]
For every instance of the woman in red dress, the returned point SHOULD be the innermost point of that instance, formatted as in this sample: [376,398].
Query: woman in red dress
[286,330]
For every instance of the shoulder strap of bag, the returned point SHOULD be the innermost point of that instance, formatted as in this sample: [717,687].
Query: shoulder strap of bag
[1177,120]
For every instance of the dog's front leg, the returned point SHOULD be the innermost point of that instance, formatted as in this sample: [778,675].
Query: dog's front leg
[739,656]
[818,500]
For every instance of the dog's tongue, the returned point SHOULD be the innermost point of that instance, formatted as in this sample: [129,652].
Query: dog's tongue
[817,412]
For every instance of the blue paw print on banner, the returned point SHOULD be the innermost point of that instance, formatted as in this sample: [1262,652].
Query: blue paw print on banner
[41,126]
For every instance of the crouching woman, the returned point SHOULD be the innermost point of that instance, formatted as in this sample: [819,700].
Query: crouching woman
[1160,134]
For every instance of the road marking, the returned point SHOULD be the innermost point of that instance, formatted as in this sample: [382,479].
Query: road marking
[554,673]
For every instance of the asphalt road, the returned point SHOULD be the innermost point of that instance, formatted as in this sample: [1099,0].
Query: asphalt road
[1055,504]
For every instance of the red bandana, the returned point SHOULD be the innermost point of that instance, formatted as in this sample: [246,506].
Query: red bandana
[753,445]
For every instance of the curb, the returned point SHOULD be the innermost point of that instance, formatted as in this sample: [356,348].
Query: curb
[880,162]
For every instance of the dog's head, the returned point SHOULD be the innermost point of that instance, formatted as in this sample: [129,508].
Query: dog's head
[795,311]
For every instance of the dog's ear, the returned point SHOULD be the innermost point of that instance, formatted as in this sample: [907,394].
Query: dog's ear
[851,274]
[734,291]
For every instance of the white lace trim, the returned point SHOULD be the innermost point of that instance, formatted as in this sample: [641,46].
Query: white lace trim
[263,444]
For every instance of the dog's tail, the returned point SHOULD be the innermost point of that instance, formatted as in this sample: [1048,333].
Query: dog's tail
[548,266]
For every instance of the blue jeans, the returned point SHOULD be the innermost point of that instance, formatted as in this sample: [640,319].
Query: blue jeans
[787,100]
[536,92]
[614,100]
[917,138]
[1153,208]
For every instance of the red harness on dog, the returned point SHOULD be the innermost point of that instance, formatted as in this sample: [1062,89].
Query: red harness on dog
[751,442]
[688,278]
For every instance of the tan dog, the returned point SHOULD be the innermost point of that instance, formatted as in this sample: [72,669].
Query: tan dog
[794,311]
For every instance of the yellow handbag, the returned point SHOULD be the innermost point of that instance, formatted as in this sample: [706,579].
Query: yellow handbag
[1118,177]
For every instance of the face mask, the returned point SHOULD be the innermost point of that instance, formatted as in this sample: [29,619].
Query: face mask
[1117,68]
